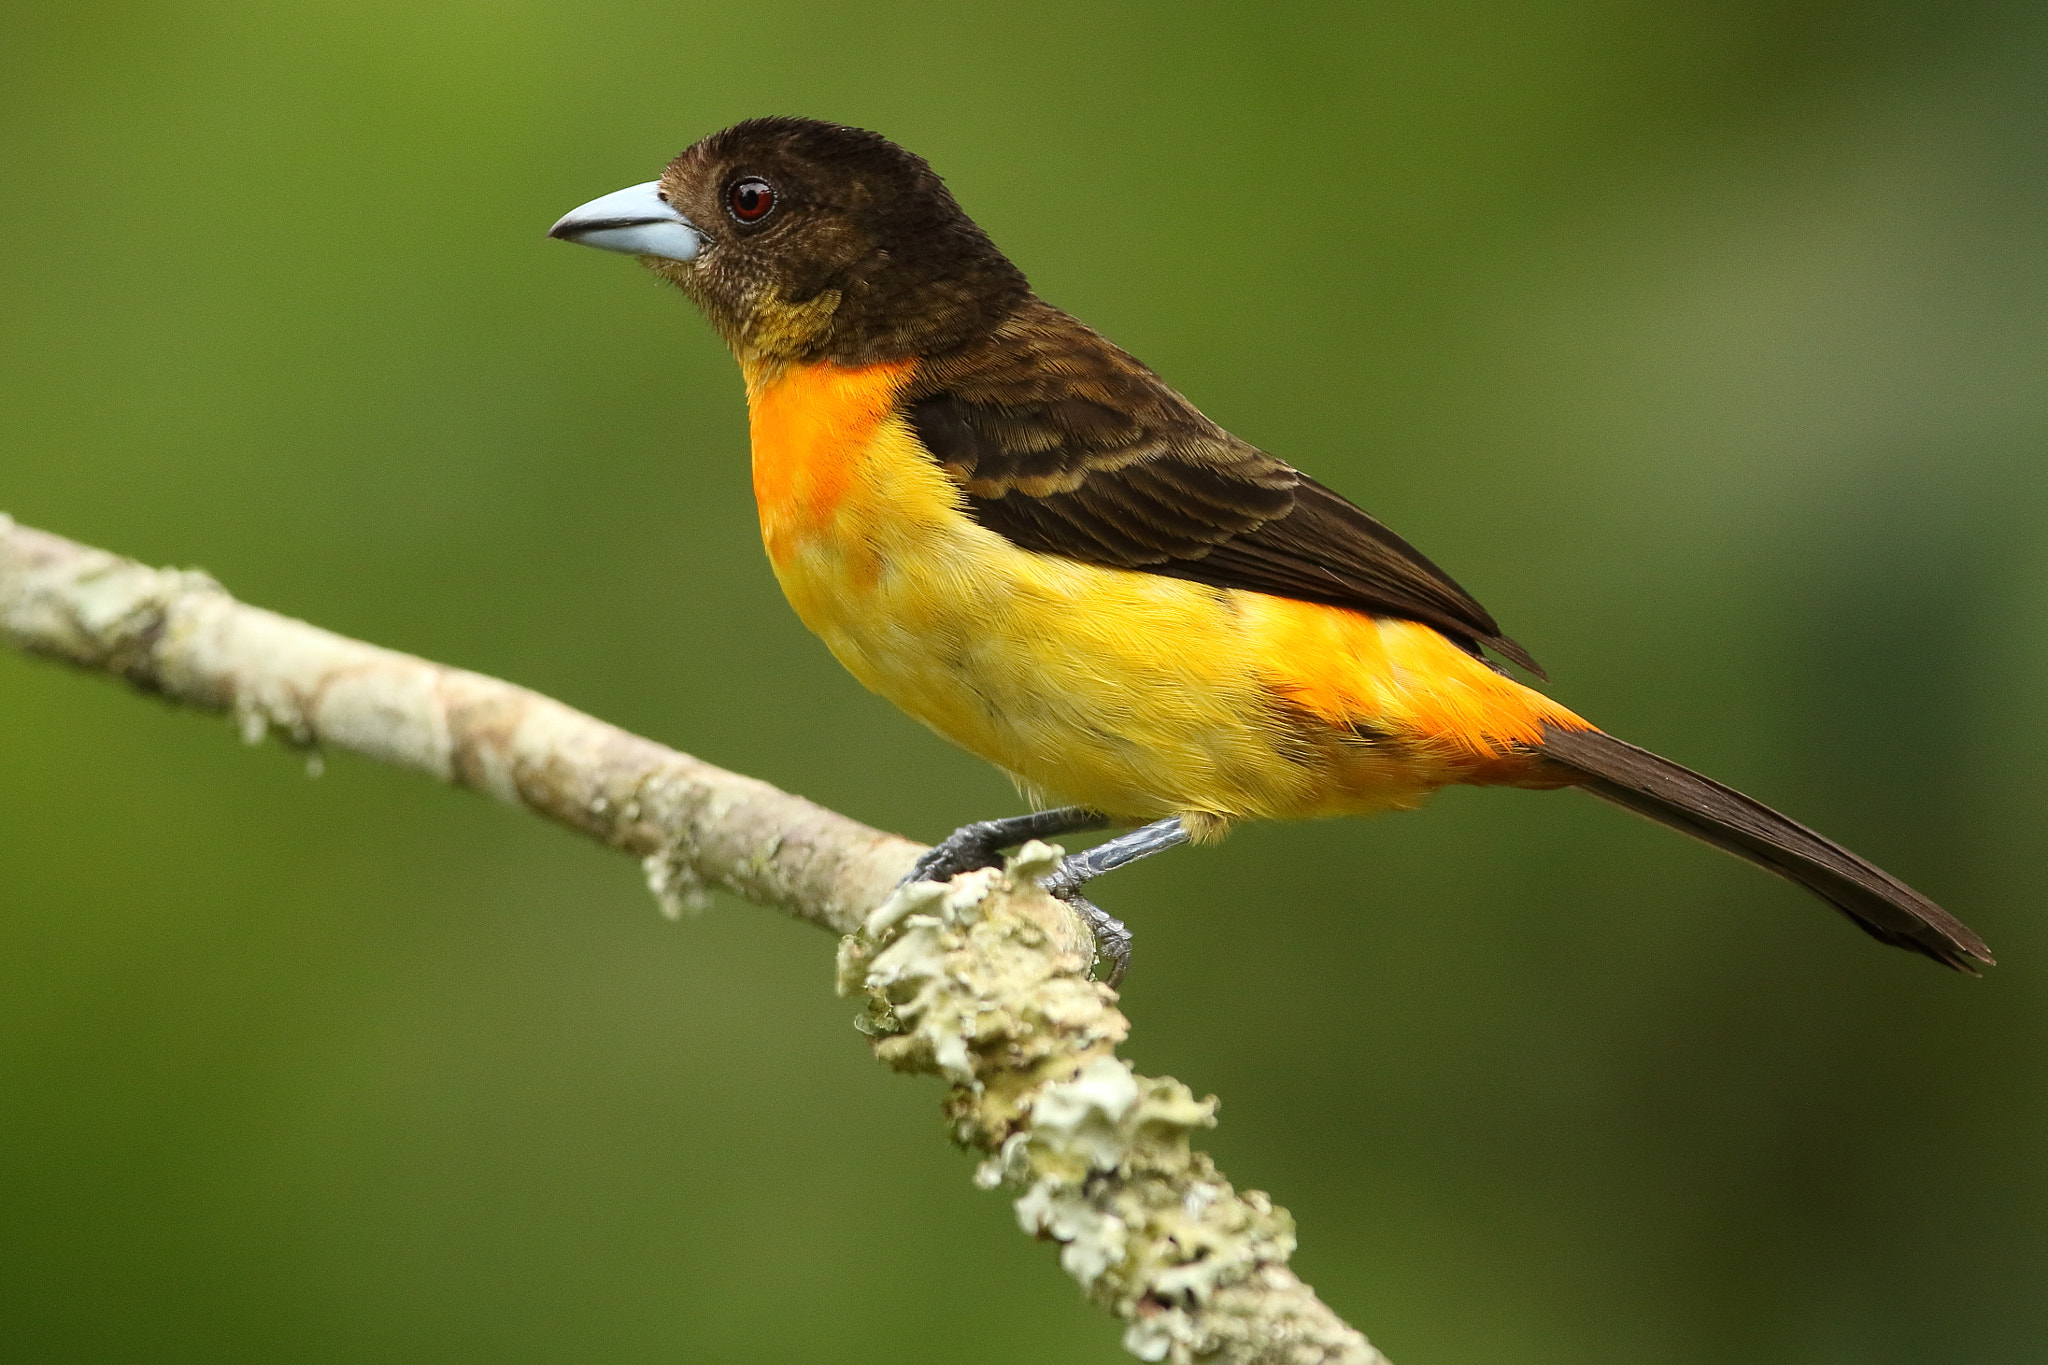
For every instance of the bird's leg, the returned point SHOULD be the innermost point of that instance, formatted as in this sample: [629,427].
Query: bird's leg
[981,844]
[1112,939]
[1078,869]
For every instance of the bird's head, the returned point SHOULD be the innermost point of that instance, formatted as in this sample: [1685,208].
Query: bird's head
[803,240]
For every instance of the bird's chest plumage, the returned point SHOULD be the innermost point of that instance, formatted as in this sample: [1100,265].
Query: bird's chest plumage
[866,535]
[1010,654]
[820,483]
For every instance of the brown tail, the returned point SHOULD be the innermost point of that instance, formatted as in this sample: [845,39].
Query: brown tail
[1881,905]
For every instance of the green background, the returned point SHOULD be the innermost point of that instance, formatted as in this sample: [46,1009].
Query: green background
[1704,342]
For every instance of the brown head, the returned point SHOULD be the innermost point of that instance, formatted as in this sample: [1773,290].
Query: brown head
[803,240]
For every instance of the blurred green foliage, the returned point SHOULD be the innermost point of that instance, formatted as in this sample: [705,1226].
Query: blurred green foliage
[1705,342]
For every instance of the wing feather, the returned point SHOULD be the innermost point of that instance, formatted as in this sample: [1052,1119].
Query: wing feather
[1065,445]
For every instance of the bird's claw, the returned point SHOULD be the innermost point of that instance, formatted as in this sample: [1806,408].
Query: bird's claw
[981,844]
[1065,881]
[967,849]
[1112,938]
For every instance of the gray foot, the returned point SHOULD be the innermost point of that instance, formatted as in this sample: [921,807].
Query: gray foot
[981,844]
[1112,939]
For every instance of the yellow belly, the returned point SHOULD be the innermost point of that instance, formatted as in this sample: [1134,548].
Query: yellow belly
[1136,694]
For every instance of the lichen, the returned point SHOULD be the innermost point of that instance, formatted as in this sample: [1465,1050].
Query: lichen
[676,884]
[270,704]
[982,981]
[1145,1224]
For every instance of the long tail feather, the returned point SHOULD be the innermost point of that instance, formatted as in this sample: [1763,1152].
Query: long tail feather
[1881,905]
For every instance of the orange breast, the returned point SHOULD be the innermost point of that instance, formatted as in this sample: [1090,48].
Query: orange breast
[811,426]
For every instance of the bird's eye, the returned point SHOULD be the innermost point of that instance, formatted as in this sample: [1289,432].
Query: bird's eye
[750,200]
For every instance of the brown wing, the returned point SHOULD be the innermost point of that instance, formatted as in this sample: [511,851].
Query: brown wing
[1065,445]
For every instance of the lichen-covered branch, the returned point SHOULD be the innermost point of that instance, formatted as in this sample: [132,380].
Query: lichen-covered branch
[982,981]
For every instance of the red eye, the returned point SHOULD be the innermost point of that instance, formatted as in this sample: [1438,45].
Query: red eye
[751,200]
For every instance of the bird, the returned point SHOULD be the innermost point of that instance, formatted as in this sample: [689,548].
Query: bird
[1026,539]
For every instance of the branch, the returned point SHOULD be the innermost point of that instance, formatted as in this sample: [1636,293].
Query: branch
[981,981]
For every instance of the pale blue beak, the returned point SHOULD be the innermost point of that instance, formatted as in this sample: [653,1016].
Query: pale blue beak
[636,221]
